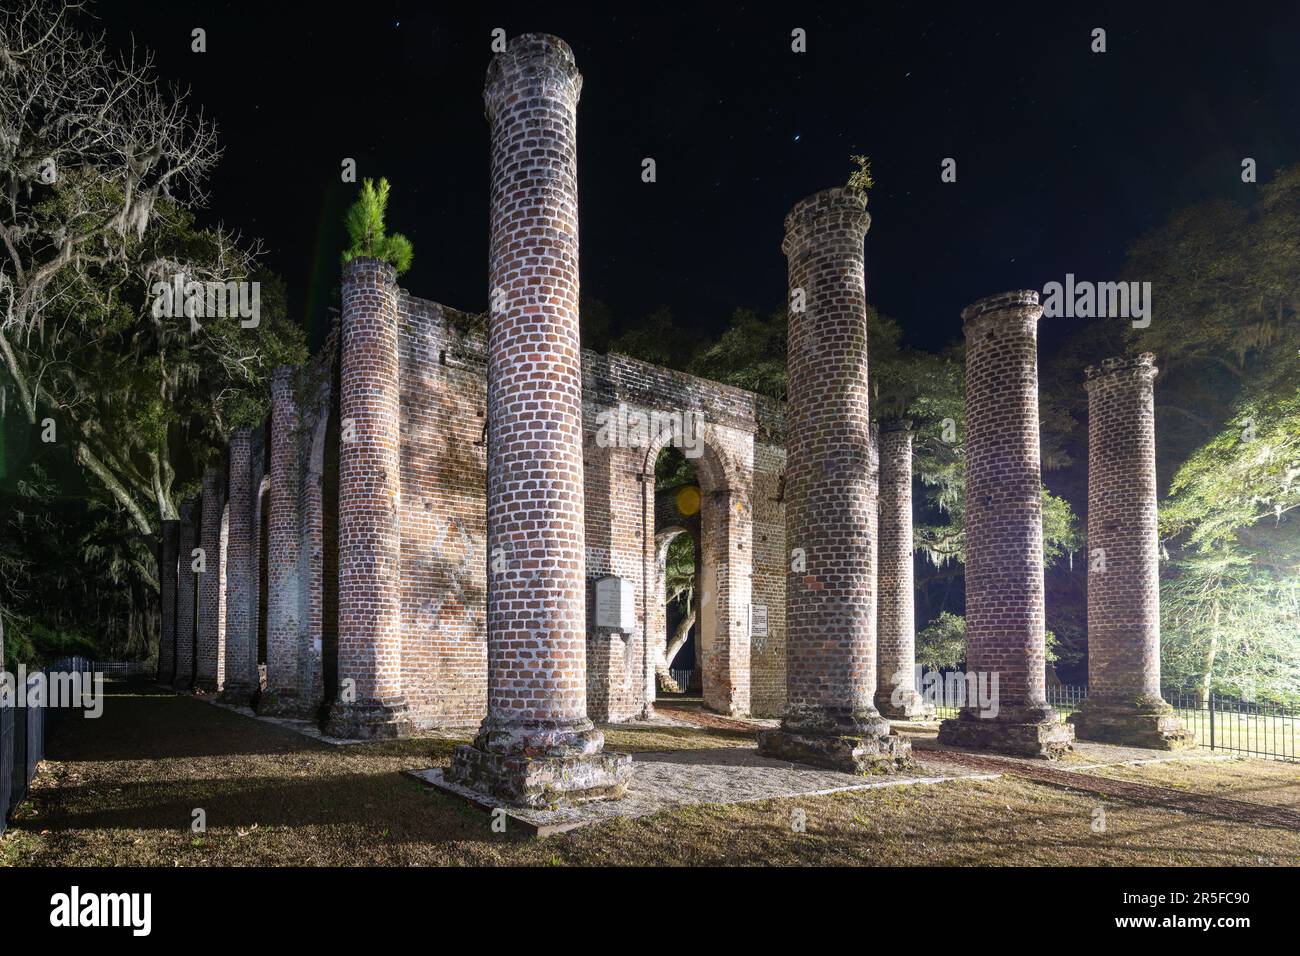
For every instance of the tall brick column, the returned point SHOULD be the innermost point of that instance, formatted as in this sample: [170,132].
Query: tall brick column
[536,746]
[830,717]
[241,682]
[896,695]
[1124,705]
[1005,628]
[167,586]
[186,599]
[370,701]
[284,695]
[208,650]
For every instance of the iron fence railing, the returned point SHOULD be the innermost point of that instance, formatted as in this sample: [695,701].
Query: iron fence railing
[1229,725]
[22,748]
[683,678]
[85,665]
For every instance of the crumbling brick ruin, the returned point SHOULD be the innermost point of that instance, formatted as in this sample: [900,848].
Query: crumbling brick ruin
[451,521]
[1124,705]
[1005,616]
[830,717]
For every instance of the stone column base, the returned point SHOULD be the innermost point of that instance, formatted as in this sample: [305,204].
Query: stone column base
[541,781]
[240,695]
[1020,732]
[368,720]
[282,703]
[910,706]
[1149,724]
[858,755]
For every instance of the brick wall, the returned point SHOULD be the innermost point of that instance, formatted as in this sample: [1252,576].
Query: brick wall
[186,599]
[209,645]
[241,679]
[284,545]
[443,395]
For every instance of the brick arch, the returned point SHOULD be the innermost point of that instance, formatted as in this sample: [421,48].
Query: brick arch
[726,573]
[658,609]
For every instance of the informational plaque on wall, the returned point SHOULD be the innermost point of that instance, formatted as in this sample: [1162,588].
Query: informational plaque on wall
[615,604]
[758,621]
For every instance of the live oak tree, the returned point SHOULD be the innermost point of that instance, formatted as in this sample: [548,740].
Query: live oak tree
[101,167]
[1225,329]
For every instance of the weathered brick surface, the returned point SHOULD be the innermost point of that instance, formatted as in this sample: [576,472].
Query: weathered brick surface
[210,644]
[186,599]
[896,694]
[284,597]
[370,701]
[1124,703]
[830,504]
[770,564]
[168,542]
[536,601]
[443,388]
[240,679]
[1004,531]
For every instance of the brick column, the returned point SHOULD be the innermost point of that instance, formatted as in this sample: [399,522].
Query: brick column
[1004,536]
[186,604]
[896,694]
[1124,705]
[167,587]
[370,701]
[536,745]
[830,717]
[283,695]
[208,650]
[241,684]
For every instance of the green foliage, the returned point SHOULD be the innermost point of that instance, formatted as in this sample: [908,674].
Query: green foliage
[942,644]
[366,230]
[657,339]
[861,179]
[1231,628]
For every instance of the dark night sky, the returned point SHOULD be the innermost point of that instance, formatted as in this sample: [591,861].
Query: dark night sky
[1064,156]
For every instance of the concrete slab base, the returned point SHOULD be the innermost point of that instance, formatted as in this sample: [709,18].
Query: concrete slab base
[662,781]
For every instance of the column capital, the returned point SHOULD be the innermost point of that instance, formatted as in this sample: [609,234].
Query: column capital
[1019,304]
[832,216]
[531,60]
[1139,367]
[366,270]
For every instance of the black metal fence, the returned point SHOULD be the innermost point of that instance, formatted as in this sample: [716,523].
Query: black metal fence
[1221,724]
[22,748]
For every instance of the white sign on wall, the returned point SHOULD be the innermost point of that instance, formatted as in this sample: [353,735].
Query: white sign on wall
[758,621]
[615,604]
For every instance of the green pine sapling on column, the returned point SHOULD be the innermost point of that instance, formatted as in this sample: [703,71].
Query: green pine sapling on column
[365,222]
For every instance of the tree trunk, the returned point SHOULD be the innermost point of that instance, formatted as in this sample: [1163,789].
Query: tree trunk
[1210,654]
[664,665]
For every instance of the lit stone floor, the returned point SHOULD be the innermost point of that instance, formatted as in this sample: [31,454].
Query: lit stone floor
[663,780]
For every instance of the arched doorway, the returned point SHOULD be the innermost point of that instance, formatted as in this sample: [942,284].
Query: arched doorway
[710,495]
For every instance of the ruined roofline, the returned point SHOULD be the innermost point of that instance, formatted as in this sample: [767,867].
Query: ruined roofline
[767,414]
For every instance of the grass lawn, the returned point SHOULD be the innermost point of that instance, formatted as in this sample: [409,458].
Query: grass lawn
[122,790]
